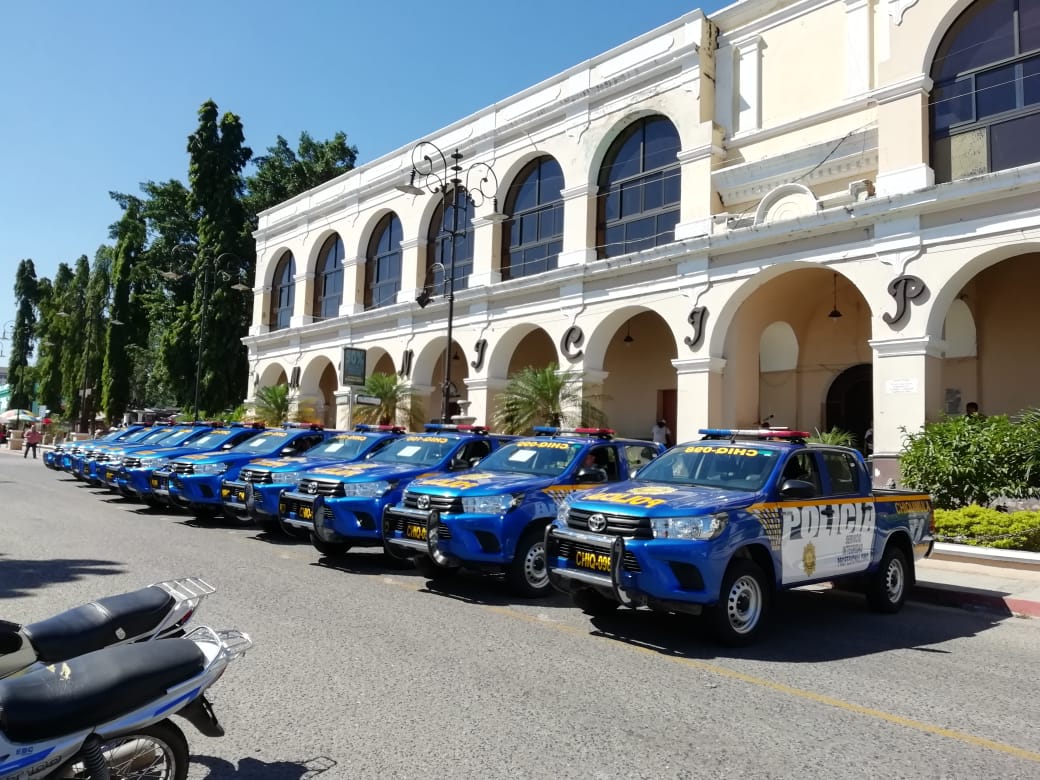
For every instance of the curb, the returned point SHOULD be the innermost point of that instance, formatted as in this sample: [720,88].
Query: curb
[952,596]
[1008,559]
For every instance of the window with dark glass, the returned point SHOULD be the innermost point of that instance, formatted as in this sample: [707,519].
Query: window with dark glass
[455,218]
[639,189]
[383,263]
[984,108]
[328,279]
[283,293]
[532,237]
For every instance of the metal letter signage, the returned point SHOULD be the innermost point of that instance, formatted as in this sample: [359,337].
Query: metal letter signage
[904,289]
[406,364]
[696,319]
[480,347]
[572,339]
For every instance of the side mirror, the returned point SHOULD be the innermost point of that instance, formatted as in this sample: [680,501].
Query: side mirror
[797,488]
[459,464]
[592,475]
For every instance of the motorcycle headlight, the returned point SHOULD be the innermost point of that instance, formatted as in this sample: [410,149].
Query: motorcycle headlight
[561,511]
[367,489]
[701,528]
[211,468]
[491,505]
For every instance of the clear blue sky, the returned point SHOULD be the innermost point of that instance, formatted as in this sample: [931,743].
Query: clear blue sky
[101,96]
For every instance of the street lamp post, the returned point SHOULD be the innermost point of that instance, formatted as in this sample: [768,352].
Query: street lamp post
[206,282]
[435,175]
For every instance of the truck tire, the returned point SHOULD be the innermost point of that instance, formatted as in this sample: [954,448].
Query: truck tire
[330,549]
[527,573]
[268,524]
[427,568]
[887,587]
[740,615]
[593,603]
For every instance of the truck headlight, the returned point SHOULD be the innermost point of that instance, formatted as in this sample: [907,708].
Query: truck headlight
[288,477]
[700,528]
[211,468]
[154,463]
[561,511]
[373,489]
[490,505]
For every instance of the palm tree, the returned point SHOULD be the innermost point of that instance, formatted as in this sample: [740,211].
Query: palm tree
[272,404]
[395,400]
[545,396]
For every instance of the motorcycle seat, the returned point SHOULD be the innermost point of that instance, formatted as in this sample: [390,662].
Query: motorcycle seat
[100,623]
[85,692]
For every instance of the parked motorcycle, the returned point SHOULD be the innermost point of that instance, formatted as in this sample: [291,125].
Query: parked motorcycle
[107,714]
[156,612]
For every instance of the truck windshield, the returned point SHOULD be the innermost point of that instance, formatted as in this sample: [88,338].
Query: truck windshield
[543,458]
[730,466]
[416,450]
[347,446]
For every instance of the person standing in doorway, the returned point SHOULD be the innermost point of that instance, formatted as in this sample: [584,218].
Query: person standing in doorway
[661,433]
[32,438]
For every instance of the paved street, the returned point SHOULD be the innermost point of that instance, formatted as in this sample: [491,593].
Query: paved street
[366,672]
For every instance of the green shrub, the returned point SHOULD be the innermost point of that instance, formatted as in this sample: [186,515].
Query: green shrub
[974,460]
[984,527]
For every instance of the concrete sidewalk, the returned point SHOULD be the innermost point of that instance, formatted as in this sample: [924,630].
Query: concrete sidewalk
[1002,581]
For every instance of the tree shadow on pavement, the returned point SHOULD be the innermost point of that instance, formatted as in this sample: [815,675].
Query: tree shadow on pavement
[254,769]
[21,577]
[806,627]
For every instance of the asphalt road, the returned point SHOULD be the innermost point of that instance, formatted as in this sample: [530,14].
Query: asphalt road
[364,671]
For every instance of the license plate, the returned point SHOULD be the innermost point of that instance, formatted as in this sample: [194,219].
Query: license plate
[225,493]
[239,495]
[594,561]
[413,531]
[306,513]
[153,482]
[110,475]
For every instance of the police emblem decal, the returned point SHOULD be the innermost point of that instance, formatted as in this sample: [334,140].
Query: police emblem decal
[423,501]
[597,522]
[809,559]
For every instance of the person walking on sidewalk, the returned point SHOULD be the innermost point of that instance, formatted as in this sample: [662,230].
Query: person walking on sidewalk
[32,438]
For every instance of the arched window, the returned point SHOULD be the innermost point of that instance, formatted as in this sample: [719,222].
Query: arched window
[283,292]
[328,279]
[639,189]
[456,218]
[533,235]
[985,105]
[383,263]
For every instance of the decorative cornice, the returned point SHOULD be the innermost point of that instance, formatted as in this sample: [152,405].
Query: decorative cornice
[708,365]
[919,84]
[579,191]
[915,346]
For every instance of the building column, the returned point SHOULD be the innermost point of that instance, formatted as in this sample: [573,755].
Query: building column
[413,256]
[487,250]
[903,136]
[698,383]
[593,380]
[579,225]
[698,201]
[481,392]
[423,394]
[303,296]
[261,307]
[907,394]
[353,301]
[859,64]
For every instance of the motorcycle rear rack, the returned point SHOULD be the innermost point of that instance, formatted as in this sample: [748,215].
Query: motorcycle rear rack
[187,592]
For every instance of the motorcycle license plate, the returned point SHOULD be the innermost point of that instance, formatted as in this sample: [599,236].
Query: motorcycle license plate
[593,561]
[415,531]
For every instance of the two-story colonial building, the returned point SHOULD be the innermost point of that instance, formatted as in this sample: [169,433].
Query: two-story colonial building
[818,213]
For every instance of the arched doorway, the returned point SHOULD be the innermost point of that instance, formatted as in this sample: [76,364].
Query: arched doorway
[850,401]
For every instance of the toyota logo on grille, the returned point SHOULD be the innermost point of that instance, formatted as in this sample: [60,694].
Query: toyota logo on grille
[423,502]
[310,487]
[597,522]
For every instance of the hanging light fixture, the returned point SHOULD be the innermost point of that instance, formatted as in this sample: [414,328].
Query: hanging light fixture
[835,314]
[628,335]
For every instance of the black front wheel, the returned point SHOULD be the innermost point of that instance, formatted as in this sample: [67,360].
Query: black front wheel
[330,549]
[593,603]
[425,565]
[743,606]
[527,573]
[156,752]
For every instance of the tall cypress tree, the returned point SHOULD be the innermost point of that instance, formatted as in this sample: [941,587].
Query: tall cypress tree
[226,256]
[115,376]
[75,346]
[98,289]
[26,292]
[53,332]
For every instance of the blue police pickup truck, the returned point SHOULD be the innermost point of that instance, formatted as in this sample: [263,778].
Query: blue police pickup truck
[192,482]
[254,494]
[494,518]
[60,458]
[721,524]
[342,506]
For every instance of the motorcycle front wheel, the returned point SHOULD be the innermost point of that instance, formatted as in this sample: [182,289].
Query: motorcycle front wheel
[156,752]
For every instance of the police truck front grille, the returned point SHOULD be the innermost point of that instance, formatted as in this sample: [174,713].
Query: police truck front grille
[255,477]
[316,487]
[182,468]
[617,525]
[565,548]
[439,503]
[131,463]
